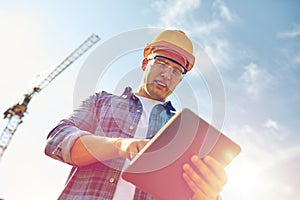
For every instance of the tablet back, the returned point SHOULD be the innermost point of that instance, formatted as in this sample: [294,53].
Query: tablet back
[157,169]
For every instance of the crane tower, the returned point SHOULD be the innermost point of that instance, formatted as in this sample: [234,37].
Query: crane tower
[15,114]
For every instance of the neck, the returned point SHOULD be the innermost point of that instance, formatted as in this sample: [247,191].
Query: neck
[143,93]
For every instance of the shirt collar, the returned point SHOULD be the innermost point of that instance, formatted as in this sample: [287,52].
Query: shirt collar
[128,94]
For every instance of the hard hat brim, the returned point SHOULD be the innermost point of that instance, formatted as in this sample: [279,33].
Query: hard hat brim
[171,51]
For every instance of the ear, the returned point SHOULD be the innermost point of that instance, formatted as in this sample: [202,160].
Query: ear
[144,63]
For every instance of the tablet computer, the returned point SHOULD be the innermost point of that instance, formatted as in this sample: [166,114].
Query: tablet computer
[157,168]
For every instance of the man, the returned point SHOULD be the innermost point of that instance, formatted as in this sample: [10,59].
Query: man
[107,130]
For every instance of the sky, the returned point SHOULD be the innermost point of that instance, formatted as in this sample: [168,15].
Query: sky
[254,46]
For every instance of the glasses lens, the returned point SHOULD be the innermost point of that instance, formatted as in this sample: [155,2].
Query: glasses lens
[166,63]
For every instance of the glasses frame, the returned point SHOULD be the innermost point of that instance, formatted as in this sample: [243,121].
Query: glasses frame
[174,61]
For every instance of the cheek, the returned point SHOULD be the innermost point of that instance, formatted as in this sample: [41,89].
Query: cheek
[150,76]
[173,85]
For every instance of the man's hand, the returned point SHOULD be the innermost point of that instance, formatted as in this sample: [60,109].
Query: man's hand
[206,177]
[129,147]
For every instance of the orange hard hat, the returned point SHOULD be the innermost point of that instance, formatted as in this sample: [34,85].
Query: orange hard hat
[173,44]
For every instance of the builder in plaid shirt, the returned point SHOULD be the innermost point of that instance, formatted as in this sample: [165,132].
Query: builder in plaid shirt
[100,137]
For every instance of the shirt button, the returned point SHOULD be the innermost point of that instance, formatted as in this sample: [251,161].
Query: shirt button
[111,180]
[131,127]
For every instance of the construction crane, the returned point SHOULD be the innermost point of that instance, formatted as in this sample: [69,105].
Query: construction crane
[15,114]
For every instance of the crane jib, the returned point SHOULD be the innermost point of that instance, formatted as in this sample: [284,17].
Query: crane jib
[16,113]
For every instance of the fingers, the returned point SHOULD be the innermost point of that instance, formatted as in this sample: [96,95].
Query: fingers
[211,171]
[204,177]
[196,183]
[135,147]
[197,191]
[138,145]
[129,147]
[217,168]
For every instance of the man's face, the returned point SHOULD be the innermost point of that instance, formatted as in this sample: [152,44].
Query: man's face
[161,77]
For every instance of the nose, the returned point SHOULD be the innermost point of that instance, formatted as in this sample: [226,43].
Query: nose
[167,72]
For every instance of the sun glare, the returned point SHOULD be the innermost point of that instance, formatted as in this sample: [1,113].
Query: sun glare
[243,179]
[17,32]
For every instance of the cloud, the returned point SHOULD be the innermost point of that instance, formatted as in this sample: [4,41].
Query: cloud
[263,139]
[224,11]
[255,80]
[282,175]
[295,32]
[175,13]
[207,28]
[219,51]
[271,124]
[296,58]
[276,130]
[260,166]
[260,143]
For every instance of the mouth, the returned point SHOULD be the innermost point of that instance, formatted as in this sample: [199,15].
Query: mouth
[161,84]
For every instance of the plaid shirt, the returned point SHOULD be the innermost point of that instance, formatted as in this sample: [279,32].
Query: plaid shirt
[106,115]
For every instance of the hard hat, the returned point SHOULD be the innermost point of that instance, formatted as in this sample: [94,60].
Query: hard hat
[173,44]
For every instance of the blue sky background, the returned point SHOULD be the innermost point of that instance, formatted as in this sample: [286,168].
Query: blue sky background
[254,45]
